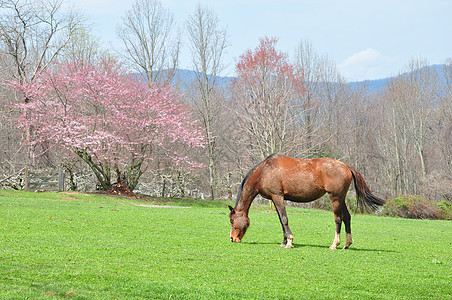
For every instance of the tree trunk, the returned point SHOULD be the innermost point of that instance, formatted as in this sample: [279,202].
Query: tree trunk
[102,173]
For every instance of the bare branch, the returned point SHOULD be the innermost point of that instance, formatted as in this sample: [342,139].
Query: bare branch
[34,33]
[150,45]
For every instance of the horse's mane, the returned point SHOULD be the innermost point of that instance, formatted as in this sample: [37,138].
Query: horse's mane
[246,177]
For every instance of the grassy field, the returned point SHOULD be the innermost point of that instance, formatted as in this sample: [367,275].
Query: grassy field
[58,245]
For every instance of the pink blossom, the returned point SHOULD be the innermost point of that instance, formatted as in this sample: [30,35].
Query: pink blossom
[106,111]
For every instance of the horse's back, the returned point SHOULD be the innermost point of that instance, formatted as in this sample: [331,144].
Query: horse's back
[302,180]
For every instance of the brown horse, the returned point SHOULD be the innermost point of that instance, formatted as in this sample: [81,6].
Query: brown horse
[280,178]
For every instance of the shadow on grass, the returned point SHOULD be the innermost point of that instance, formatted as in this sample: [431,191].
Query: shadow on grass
[295,245]
[372,250]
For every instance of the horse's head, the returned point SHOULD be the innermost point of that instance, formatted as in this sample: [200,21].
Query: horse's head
[239,224]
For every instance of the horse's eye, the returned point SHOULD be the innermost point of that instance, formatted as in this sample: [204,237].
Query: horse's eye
[232,221]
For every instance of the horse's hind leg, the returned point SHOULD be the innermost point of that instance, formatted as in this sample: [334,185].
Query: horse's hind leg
[281,208]
[347,218]
[341,214]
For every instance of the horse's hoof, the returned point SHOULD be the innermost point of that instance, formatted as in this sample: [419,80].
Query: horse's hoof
[333,247]
[289,242]
[345,247]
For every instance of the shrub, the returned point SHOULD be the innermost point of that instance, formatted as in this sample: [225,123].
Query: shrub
[352,205]
[412,207]
[445,209]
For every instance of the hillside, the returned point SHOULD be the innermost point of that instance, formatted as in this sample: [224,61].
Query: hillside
[185,78]
[380,84]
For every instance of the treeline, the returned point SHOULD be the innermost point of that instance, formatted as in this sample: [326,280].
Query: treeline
[398,137]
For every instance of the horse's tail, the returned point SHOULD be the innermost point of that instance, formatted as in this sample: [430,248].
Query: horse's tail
[366,199]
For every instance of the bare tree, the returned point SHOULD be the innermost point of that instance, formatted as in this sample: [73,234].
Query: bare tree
[83,46]
[403,118]
[33,33]
[333,94]
[267,100]
[323,101]
[306,62]
[207,42]
[438,183]
[150,43]
[443,137]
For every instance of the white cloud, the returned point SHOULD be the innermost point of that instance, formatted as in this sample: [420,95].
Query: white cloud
[366,56]
[366,64]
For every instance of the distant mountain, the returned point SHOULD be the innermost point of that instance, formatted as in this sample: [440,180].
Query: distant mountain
[372,85]
[381,84]
[185,79]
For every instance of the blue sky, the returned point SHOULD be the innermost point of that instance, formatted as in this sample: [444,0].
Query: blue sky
[367,39]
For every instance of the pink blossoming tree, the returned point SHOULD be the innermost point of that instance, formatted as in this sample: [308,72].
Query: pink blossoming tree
[108,117]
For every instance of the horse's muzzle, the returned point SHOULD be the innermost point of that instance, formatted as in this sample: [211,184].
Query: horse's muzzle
[235,240]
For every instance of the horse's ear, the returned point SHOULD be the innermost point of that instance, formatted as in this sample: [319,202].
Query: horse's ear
[231,209]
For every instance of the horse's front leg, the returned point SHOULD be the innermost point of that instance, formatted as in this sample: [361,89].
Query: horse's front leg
[281,209]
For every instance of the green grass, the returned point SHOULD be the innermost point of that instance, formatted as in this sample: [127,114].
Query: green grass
[58,245]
